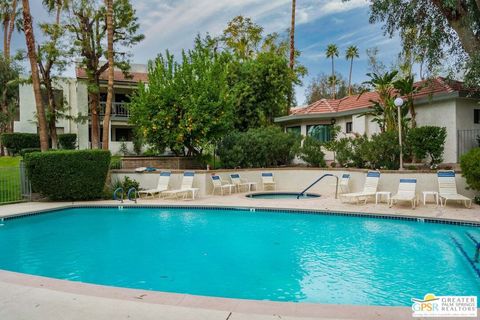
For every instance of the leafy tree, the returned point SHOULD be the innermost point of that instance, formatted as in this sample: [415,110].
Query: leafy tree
[261,88]
[320,88]
[32,55]
[350,54]
[88,26]
[443,28]
[260,77]
[375,65]
[243,36]
[332,52]
[187,104]
[111,73]
[9,79]
[53,56]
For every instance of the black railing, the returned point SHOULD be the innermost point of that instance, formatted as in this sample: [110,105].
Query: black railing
[315,182]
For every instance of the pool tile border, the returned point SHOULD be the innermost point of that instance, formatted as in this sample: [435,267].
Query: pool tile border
[251,209]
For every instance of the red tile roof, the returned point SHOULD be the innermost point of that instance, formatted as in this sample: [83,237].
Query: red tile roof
[118,76]
[427,88]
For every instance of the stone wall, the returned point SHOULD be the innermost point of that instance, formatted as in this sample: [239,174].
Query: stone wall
[171,163]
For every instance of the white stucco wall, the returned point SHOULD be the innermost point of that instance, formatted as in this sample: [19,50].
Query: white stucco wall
[442,114]
[298,179]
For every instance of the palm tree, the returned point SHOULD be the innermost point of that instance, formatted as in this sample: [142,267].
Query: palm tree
[292,36]
[32,55]
[332,52]
[9,20]
[350,54]
[110,54]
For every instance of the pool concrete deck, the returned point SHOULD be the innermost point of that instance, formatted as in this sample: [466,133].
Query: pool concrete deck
[31,297]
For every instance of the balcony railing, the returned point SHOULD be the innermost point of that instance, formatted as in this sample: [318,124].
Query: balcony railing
[118,109]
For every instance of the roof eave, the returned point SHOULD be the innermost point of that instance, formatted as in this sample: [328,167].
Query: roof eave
[319,116]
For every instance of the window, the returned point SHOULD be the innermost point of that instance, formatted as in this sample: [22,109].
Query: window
[476,115]
[123,134]
[320,132]
[348,127]
[296,130]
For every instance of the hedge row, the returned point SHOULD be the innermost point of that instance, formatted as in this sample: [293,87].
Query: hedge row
[18,141]
[68,174]
[15,142]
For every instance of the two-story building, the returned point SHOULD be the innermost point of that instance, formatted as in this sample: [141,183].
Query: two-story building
[73,93]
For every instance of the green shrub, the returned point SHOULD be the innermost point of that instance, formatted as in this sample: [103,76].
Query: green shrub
[23,152]
[427,142]
[67,141]
[116,162]
[126,184]
[68,174]
[383,151]
[262,147]
[14,142]
[470,163]
[311,152]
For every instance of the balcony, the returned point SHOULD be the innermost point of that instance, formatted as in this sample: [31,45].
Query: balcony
[119,110]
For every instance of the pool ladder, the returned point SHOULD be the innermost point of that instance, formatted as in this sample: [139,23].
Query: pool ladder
[131,191]
[315,182]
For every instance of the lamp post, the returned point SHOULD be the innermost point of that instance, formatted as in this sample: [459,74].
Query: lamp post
[399,103]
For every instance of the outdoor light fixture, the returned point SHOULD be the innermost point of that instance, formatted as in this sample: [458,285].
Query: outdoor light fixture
[399,103]
[333,121]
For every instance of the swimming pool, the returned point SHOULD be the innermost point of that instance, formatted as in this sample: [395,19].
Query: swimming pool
[282,195]
[265,255]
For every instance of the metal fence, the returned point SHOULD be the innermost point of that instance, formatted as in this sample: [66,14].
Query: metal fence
[467,140]
[14,184]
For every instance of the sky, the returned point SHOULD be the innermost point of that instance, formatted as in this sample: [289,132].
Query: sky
[173,24]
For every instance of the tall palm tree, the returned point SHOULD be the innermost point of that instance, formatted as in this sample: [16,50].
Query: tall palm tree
[350,54]
[110,55]
[292,36]
[9,19]
[332,52]
[32,55]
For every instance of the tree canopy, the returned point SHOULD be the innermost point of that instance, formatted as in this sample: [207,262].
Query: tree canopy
[238,81]
[435,30]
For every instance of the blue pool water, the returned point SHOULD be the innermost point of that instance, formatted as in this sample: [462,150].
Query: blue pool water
[242,254]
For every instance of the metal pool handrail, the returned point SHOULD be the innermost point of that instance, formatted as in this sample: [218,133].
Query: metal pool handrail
[115,197]
[325,175]
[129,193]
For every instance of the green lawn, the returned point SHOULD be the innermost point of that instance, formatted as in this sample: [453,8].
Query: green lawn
[10,189]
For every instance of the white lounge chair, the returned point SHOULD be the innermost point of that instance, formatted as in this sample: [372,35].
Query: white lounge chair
[406,192]
[268,181]
[241,183]
[163,181]
[369,189]
[344,183]
[219,185]
[447,189]
[186,187]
